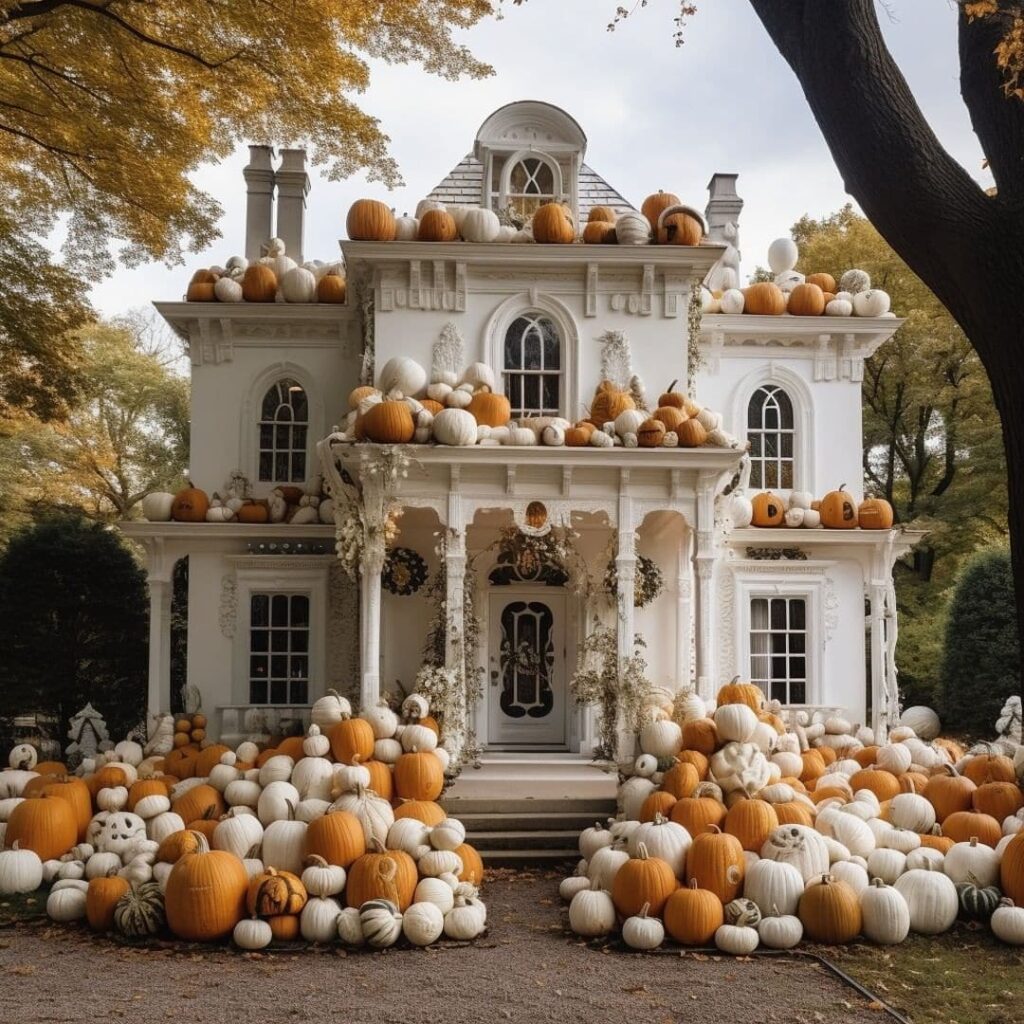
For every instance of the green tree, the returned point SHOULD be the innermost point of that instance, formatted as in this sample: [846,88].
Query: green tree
[126,435]
[981,655]
[74,607]
[929,443]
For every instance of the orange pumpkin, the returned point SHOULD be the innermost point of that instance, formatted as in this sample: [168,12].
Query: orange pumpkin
[370,220]
[437,226]
[46,825]
[669,397]
[609,401]
[338,837]
[599,232]
[962,826]
[552,223]
[838,510]
[273,892]
[715,862]
[656,204]
[642,879]
[190,505]
[982,768]
[830,911]
[76,792]
[764,299]
[998,799]
[698,813]
[602,215]
[658,804]
[735,692]
[419,776]
[259,283]
[826,282]
[101,899]
[670,415]
[806,300]
[426,811]
[678,226]
[750,821]
[651,433]
[883,784]
[1011,870]
[697,759]
[489,409]
[701,735]
[693,915]
[680,781]
[284,927]
[382,874]
[253,512]
[768,510]
[389,422]
[691,433]
[200,803]
[205,895]
[331,289]
[472,864]
[874,514]
[948,792]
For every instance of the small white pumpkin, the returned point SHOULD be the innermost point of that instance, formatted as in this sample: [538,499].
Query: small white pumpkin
[406,228]
[739,940]
[319,919]
[436,891]
[450,834]
[21,871]
[932,899]
[439,862]
[411,836]
[854,281]
[871,302]
[592,912]
[423,923]
[972,862]
[732,301]
[885,914]
[662,738]
[780,931]
[66,905]
[403,374]
[316,744]
[568,887]
[1007,923]
[350,927]
[454,426]
[252,933]
[419,738]
[632,228]
[643,932]
[465,922]
[735,723]
[479,225]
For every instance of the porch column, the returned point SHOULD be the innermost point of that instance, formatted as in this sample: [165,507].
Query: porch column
[704,564]
[879,697]
[455,610]
[625,590]
[370,568]
[159,571]
[684,611]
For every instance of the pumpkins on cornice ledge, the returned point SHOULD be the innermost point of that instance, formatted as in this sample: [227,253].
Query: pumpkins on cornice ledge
[837,510]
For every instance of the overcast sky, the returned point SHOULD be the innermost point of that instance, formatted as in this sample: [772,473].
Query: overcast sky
[655,117]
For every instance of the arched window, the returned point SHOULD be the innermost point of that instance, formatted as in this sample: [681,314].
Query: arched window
[284,424]
[771,433]
[533,366]
[522,183]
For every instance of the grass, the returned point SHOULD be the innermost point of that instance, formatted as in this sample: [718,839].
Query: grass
[965,976]
[27,907]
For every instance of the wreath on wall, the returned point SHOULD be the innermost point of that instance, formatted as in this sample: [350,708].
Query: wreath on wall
[404,572]
[649,581]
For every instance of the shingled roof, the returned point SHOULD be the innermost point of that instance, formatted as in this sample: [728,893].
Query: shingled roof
[464,184]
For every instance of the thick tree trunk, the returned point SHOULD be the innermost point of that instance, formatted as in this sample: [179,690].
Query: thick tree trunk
[968,247]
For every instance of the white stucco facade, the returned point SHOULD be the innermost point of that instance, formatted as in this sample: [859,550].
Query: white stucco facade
[711,620]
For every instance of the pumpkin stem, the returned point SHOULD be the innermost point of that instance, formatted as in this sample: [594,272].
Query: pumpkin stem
[643,910]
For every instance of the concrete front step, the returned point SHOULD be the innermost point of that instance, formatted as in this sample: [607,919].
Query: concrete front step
[483,822]
[519,857]
[562,839]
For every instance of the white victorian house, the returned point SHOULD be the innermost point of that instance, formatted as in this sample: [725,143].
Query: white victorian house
[274,621]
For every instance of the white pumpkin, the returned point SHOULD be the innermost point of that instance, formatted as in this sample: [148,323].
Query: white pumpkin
[854,281]
[238,834]
[735,723]
[885,914]
[21,871]
[284,845]
[972,862]
[350,927]
[871,302]
[894,757]
[374,813]
[631,796]
[406,228]
[276,769]
[780,931]
[418,738]
[800,846]
[732,301]
[632,228]
[450,834]
[323,879]
[403,374]
[383,721]
[923,720]
[739,940]
[595,838]
[479,225]
[1007,923]
[667,840]
[568,887]
[886,864]
[592,912]
[643,932]
[65,905]
[298,285]
[423,923]
[931,898]
[604,866]
[783,255]
[277,802]
[775,886]
[911,811]
[465,921]
[319,919]
[316,744]
[455,427]
[411,836]
[439,862]
[662,738]
[438,892]
[326,711]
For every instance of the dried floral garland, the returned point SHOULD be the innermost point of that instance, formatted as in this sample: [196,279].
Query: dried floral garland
[648,585]
[598,680]
[404,572]
[694,359]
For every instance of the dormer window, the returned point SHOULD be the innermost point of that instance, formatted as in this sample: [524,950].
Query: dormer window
[526,182]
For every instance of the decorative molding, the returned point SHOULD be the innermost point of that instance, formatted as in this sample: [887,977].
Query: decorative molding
[830,607]
[775,554]
[227,614]
[726,624]
[590,300]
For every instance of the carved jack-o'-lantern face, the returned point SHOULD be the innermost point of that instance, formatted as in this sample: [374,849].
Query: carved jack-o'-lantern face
[800,846]
[838,510]
[768,510]
[116,832]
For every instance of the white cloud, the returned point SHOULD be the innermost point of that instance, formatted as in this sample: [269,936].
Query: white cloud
[655,117]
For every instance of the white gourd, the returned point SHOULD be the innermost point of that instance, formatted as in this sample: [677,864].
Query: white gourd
[418,738]
[276,769]
[775,886]
[923,720]
[926,857]
[662,739]
[972,862]
[227,289]
[887,865]
[592,912]
[632,228]
[894,757]
[242,793]
[411,836]
[911,811]
[851,872]
[800,846]
[406,228]
[735,723]
[932,899]
[423,923]
[479,225]
[438,892]
[350,927]
[739,940]
[568,887]
[454,426]
[667,840]
[321,878]
[604,866]
[348,776]
[252,933]
[66,905]
[374,813]
[1007,923]
[326,711]
[298,285]
[885,914]
[387,751]
[316,744]
[595,838]
[465,922]
[319,919]
[284,845]
[871,302]
[902,839]
[313,777]
[383,721]
[643,932]
[238,834]
[780,931]
[450,834]
[631,796]
[277,802]
[645,765]
[402,374]
[439,862]
[160,827]
[21,871]
[479,375]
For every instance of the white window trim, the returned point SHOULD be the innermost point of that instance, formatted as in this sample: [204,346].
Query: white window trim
[249,454]
[285,579]
[523,304]
[811,586]
[803,418]
[528,154]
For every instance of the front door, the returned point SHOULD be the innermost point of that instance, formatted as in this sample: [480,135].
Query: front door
[526,693]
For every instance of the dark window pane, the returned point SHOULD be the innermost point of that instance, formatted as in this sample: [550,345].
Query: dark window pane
[552,348]
[300,610]
[756,445]
[279,610]
[279,691]
[258,609]
[300,692]
[279,640]
[300,407]
[771,416]
[551,403]
[797,614]
[514,390]
[798,693]
[279,666]
[757,476]
[300,668]
[797,643]
[258,692]
[797,668]
[266,435]
[531,349]
[266,466]
[299,439]
[787,475]
[770,474]
[787,446]
[778,614]
[754,409]
[778,643]
[771,446]
[778,668]
[258,640]
[257,667]
[271,400]
[779,692]
[785,408]
[513,344]
[281,466]
[300,640]
[282,436]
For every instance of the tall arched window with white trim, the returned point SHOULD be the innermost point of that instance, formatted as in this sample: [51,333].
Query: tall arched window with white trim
[771,432]
[533,366]
[522,183]
[283,432]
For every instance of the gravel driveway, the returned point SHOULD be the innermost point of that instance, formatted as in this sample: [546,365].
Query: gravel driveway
[527,969]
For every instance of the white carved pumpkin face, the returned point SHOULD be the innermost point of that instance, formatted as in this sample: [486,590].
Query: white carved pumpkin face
[788,839]
[118,831]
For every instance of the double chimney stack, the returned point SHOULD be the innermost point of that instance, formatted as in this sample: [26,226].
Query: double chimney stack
[291,184]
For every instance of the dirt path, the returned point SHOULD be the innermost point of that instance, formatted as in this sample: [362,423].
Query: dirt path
[527,969]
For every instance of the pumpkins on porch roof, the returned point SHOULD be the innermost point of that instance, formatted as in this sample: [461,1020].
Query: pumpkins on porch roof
[609,401]
[190,505]
[874,514]
[679,225]
[656,204]
[838,510]
[490,409]
[768,509]
[764,299]
[552,223]
[806,300]
[437,226]
[389,422]
[370,220]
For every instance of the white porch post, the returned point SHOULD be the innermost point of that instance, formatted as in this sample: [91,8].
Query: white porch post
[625,590]
[684,611]
[704,563]
[884,688]
[369,623]
[159,571]
[455,609]
[879,697]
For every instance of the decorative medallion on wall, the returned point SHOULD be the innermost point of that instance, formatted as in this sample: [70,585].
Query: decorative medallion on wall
[649,581]
[404,572]
[527,657]
[528,558]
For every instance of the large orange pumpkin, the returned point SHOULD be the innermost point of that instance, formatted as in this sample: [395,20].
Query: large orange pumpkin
[1011,870]
[948,792]
[352,741]
[370,220]
[259,283]
[764,299]
[331,288]
[382,875]
[735,692]
[830,911]
[426,811]
[100,900]
[472,864]
[982,768]
[643,879]
[768,510]
[389,422]
[190,505]
[678,225]
[715,861]
[681,780]
[693,915]
[553,223]
[205,895]
[437,226]
[489,409]
[806,300]
[609,401]
[200,803]
[46,825]
[697,814]
[338,837]
[419,776]
[656,204]
[962,826]
[750,821]
[874,514]
[76,792]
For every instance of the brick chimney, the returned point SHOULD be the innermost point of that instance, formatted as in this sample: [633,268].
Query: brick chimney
[292,189]
[259,205]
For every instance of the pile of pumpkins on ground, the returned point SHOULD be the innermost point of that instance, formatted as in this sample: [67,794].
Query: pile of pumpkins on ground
[404,408]
[662,220]
[275,277]
[796,294]
[334,836]
[838,510]
[737,832]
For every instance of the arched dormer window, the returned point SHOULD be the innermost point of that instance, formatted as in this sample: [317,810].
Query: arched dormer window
[771,432]
[283,432]
[533,366]
[526,181]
